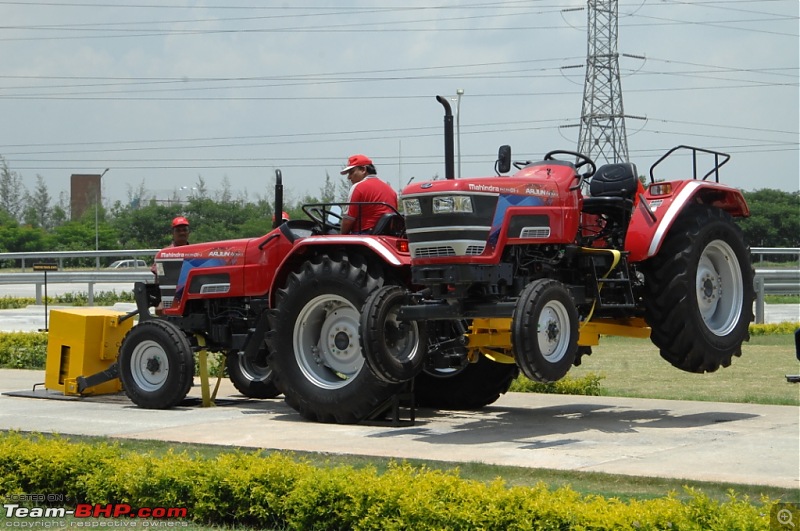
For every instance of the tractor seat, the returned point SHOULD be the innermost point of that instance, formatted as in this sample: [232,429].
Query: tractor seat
[612,187]
[390,224]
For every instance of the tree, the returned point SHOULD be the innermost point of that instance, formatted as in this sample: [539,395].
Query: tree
[774,218]
[37,206]
[11,190]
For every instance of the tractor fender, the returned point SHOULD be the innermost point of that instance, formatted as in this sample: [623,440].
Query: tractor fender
[382,249]
[645,234]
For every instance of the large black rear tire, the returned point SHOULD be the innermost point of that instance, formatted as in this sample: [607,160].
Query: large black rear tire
[156,364]
[315,352]
[469,388]
[699,301]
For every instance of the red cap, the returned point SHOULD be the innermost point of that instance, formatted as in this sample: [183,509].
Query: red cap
[284,216]
[180,220]
[355,161]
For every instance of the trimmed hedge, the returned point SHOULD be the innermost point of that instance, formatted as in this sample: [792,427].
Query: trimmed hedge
[277,491]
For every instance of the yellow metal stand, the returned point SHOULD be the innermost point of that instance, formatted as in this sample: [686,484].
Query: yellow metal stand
[202,360]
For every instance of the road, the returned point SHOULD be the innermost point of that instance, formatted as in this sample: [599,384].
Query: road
[706,441]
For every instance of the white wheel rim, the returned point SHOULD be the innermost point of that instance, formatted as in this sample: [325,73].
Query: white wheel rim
[719,288]
[325,342]
[553,331]
[149,366]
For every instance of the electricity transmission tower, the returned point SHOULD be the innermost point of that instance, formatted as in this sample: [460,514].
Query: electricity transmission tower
[602,133]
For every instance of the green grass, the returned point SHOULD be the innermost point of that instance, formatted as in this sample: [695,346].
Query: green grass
[633,368]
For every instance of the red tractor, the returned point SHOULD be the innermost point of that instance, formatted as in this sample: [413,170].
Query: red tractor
[283,307]
[529,270]
[478,278]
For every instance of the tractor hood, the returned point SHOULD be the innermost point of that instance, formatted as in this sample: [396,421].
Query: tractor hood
[202,268]
[466,217]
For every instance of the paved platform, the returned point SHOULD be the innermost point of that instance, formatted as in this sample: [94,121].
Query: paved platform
[706,441]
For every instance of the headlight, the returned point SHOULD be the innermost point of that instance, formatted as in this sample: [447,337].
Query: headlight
[411,207]
[450,204]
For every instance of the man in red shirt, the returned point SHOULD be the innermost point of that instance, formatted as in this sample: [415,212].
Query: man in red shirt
[367,188]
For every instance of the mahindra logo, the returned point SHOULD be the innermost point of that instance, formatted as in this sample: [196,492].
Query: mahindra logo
[426,185]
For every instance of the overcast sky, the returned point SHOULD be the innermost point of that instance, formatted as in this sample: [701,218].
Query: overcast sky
[163,92]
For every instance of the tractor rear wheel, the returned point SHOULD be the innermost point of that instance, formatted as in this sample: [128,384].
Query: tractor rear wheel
[251,378]
[544,330]
[394,350]
[700,293]
[468,388]
[315,352]
[156,364]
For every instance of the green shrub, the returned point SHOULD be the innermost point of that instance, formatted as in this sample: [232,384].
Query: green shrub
[277,491]
[585,385]
[773,329]
[23,350]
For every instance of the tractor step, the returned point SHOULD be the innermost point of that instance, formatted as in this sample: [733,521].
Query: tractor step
[615,292]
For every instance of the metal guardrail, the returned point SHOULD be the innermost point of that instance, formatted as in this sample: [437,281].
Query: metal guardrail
[59,256]
[775,251]
[774,282]
[40,279]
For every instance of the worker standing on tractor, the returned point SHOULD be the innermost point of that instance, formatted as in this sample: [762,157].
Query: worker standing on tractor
[180,235]
[366,188]
[180,231]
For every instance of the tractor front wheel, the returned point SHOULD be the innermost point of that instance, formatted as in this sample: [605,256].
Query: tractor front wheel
[252,378]
[544,331]
[156,364]
[394,350]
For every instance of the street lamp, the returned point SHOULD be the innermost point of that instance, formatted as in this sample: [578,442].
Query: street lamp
[459,93]
[97,196]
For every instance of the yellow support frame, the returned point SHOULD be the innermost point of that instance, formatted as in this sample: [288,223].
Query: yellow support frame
[486,336]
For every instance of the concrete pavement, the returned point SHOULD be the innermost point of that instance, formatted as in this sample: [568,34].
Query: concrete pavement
[706,441]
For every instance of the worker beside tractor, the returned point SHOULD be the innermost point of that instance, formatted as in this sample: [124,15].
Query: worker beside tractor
[477,280]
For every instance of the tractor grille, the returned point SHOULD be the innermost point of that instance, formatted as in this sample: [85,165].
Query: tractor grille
[450,234]
[456,249]
[432,252]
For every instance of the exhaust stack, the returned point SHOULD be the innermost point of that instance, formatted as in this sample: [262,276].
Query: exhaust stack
[449,155]
[277,217]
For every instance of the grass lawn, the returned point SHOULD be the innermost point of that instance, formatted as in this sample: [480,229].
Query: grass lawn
[633,368]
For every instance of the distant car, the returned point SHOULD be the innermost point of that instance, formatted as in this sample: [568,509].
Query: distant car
[128,264]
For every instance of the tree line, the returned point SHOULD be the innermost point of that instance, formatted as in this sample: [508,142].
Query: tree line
[32,221]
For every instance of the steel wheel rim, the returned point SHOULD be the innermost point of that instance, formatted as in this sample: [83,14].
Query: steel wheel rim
[553,331]
[325,341]
[719,288]
[149,366]
[406,347]
[252,371]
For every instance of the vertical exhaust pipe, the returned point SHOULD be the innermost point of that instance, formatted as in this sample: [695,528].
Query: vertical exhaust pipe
[277,218]
[449,151]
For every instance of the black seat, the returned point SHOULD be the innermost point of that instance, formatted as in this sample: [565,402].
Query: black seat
[612,187]
[390,224]
[611,196]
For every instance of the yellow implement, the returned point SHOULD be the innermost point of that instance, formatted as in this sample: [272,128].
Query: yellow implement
[82,342]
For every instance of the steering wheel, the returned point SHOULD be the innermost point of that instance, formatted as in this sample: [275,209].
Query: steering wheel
[583,160]
[320,215]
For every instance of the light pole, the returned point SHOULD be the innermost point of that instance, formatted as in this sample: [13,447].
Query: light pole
[97,196]
[459,93]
